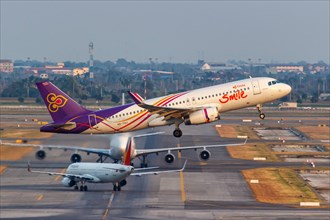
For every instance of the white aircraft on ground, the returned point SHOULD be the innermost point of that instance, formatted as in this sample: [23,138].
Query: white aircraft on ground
[102,172]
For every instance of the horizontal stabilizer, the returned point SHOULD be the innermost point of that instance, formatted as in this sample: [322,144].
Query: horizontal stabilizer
[136,97]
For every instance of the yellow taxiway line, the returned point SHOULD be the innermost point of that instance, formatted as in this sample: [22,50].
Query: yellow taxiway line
[107,210]
[183,192]
[39,197]
[57,178]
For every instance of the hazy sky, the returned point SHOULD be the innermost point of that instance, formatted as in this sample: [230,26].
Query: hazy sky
[176,31]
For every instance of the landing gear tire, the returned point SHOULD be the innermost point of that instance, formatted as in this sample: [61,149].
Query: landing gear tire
[262,116]
[81,188]
[85,188]
[116,187]
[76,187]
[177,133]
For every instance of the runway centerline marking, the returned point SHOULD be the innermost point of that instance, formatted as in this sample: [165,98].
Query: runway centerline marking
[183,193]
[179,153]
[107,210]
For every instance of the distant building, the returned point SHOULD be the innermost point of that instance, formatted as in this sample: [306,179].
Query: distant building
[216,67]
[6,66]
[280,69]
[59,69]
[80,71]
[324,96]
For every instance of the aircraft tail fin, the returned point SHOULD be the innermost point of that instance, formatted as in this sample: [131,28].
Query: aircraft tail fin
[59,104]
[127,155]
[136,97]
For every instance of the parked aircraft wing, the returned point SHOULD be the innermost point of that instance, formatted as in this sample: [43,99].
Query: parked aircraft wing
[144,152]
[98,151]
[159,172]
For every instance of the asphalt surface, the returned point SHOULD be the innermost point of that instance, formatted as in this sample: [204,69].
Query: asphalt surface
[205,190]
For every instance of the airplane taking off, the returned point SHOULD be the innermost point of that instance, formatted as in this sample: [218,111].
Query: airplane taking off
[191,108]
[102,172]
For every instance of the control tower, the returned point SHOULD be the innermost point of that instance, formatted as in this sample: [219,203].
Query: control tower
[91,60]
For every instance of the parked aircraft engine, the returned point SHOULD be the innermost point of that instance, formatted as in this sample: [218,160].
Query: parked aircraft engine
[169,158]
[204,155]
[205,115]
[68,182]
[40,154]
[75,158]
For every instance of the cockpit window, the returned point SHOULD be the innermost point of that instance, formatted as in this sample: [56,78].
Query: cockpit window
[273,82]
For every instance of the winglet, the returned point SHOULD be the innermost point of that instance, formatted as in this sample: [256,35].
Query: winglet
[127,155]
[184,166]
[136,97]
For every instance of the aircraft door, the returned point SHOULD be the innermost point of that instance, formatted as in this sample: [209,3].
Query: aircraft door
[255,87]
[92,120]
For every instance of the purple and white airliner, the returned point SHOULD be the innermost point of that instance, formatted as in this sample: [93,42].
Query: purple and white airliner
[191,108]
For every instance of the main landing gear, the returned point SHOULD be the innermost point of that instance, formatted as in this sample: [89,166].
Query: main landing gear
[82,187]
[144,162]
[177,132]
[261,115]
[116,187]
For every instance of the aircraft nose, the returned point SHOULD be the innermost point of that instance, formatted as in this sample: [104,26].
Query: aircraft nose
[287,89]
[130,169]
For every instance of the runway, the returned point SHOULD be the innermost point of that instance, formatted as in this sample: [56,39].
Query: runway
[214,189]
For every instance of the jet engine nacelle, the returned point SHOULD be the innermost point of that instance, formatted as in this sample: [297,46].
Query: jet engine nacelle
[169,158]
[75,158]
[205,115]
[204,155]
[68,182]
[40,154]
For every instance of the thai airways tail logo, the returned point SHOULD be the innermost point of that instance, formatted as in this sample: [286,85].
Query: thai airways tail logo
[55,102]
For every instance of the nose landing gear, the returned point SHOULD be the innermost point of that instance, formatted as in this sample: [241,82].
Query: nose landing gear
[261,115]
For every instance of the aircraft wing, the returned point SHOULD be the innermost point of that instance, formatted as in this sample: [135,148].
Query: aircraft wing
[166,112]
[159,172]
[71,176]
[104,152]
[144,152]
